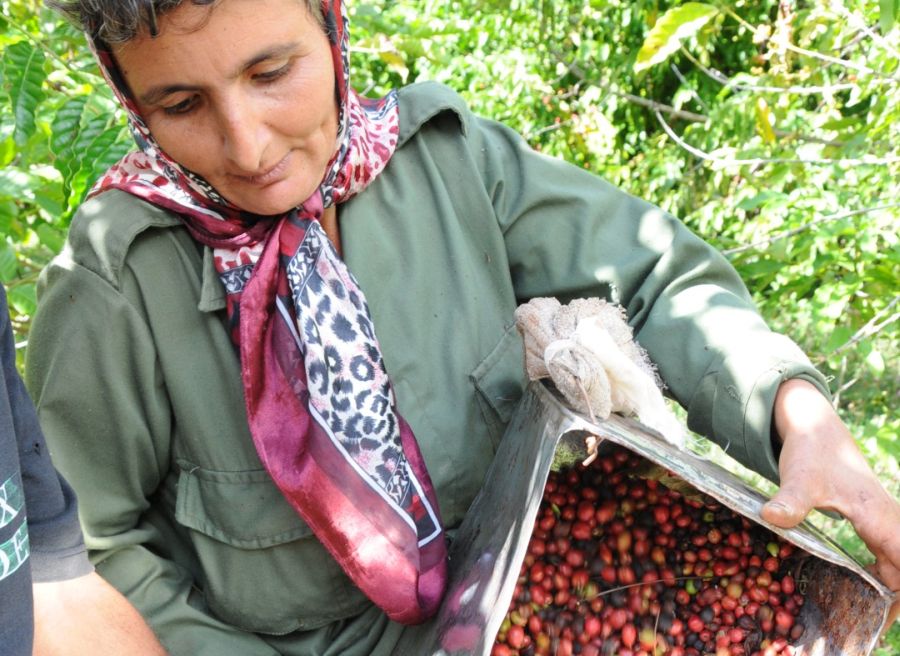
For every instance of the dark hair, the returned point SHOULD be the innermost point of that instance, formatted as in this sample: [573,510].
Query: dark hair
[117,21]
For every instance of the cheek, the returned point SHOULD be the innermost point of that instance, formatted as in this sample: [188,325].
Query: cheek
[307,106]
[189,143]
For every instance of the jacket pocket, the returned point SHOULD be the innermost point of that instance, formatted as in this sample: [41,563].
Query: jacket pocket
[262,568]
[499,382]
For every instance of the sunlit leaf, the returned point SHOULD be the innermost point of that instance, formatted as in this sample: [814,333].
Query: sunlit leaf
[676,25]
[838,338]
[876,362]
[763,198]
[15,183]
[765,121]
[887,15]
[7,151]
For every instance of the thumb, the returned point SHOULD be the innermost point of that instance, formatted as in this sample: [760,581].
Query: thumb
[790,505]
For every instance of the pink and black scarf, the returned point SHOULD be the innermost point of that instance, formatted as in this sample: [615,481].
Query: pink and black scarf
[321,408]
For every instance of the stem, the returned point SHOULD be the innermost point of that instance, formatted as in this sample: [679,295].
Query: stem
[684,81]
[836,401]
[840,62]
[39,43]
[872,326]
[807,226]
[863,27]
[725,161]
[811,53]
[637,585]
[677,113]
[727,82]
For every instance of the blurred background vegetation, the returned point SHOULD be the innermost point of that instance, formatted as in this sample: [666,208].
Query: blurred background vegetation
[772,128]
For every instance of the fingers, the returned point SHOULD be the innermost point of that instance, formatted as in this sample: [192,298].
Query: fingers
[893,614]
[787,508]
[894,611]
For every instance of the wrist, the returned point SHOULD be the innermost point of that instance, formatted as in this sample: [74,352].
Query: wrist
[800,408]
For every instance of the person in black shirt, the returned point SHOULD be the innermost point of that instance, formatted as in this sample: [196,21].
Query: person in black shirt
[51,600]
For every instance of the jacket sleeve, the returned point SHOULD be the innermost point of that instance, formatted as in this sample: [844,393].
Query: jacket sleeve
[55,541]
[570,234]
[93,371]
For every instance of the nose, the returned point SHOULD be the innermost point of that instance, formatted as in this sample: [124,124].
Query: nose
[243,135]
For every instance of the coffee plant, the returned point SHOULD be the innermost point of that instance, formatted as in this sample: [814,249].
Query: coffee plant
[772,127]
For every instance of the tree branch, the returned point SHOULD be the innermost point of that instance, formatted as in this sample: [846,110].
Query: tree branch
[861,24]
[725,161]
[872,327]
[684,81]
[816,55]
[576,70]
[806,226]
[836,399]
[728,83]
[678,113]
[547,128]
[660,107]
[840,62]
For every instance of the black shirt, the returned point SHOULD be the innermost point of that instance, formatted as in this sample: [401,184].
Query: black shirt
[49,545]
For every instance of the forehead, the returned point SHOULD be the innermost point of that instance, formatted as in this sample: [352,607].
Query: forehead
[196,41]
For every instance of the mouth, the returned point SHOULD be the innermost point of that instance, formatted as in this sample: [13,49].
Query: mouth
[267,176]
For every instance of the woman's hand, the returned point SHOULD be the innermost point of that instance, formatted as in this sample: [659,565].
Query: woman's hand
[822,467]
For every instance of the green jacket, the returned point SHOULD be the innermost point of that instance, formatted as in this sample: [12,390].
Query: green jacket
[139,387]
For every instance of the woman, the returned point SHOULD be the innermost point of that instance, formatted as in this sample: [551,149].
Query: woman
[225,354]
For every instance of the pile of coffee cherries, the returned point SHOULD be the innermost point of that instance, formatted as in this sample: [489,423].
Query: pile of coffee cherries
[620,564]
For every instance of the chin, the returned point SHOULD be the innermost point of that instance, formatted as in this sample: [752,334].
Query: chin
[267,206]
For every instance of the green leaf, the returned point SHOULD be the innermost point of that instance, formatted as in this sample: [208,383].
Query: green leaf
[9,211]
[676,25]
[838,338]
[50,237]
[887,14]
[7,151]
[75,165]
[23,299]
[49,198]
[761,199]
[764,121]
[23,70]
[15,183]
[103,150]
[8,265]
[65,127]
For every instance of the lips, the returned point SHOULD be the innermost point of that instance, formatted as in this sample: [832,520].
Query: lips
[268,176]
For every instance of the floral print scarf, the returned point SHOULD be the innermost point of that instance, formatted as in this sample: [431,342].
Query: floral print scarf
[320,405]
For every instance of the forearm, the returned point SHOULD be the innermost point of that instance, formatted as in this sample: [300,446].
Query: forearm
[687,304]
[88,616]
[167,596]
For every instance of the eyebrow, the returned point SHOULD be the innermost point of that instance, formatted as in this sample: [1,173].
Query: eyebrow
[157,93]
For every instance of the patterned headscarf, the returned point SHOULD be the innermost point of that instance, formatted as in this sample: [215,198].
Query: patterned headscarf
[320,406]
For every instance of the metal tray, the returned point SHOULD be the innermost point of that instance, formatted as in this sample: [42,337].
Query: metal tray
[846,607]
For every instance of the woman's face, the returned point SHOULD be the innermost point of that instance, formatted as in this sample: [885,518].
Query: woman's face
[242,95]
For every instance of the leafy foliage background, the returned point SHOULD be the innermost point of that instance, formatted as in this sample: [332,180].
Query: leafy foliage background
[771,127]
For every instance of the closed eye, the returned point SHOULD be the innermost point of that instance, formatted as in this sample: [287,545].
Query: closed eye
[184,107]
[271,76]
